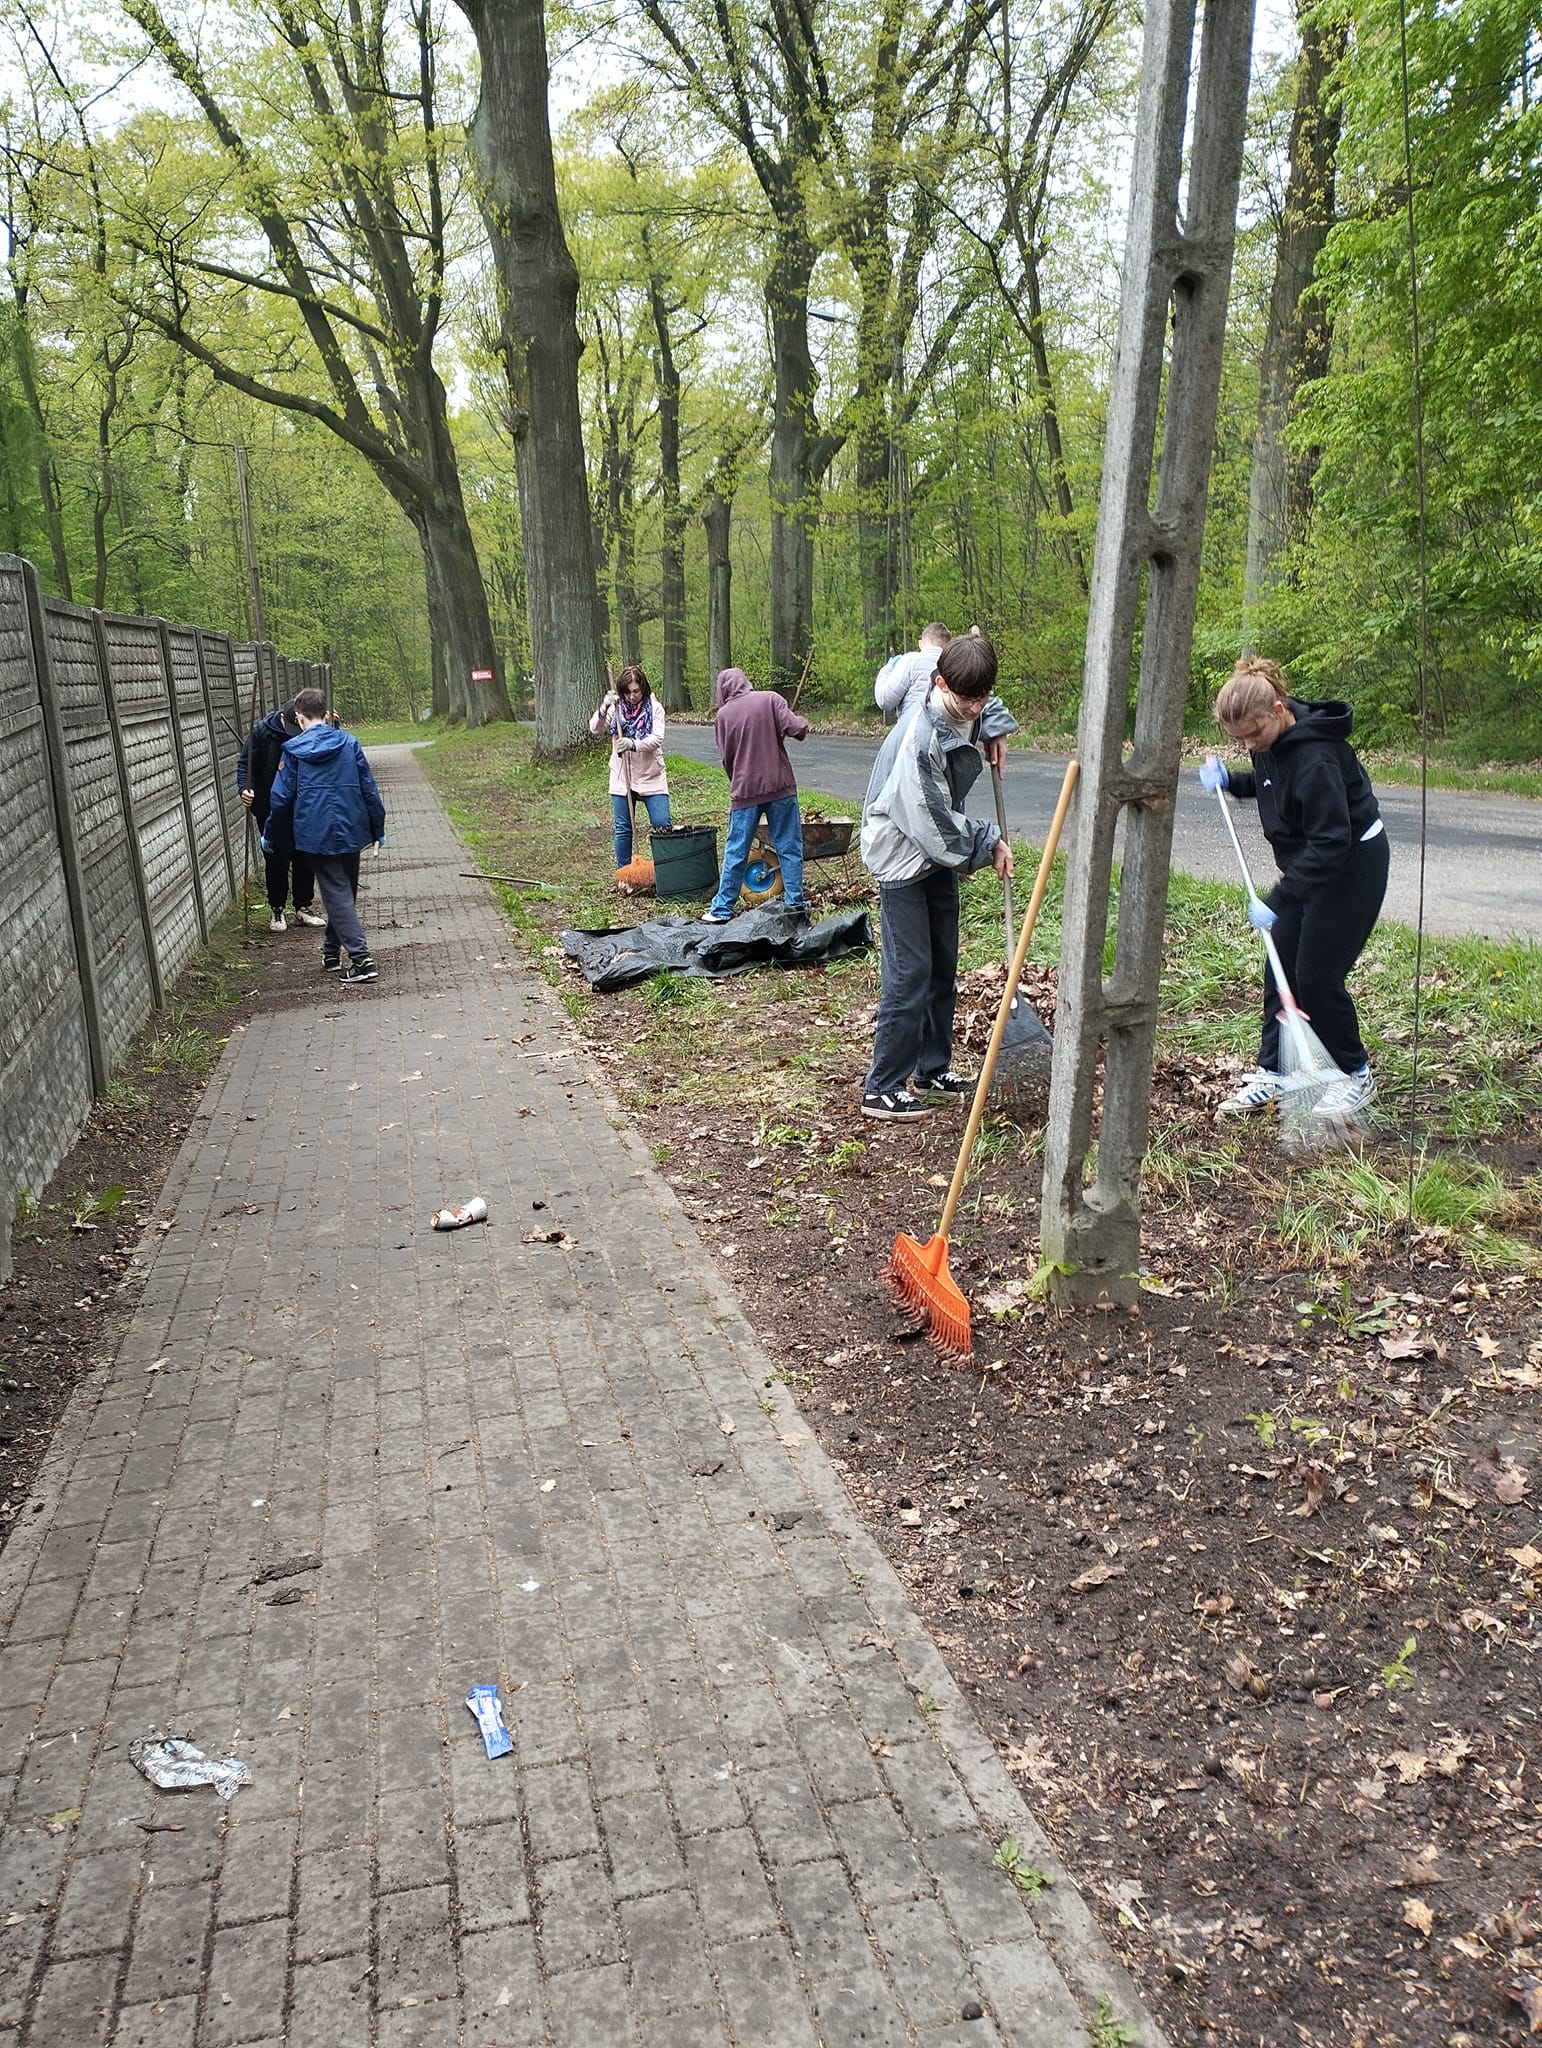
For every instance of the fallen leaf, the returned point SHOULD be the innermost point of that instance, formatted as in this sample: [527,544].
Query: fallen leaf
[1509,1482]
[1410,1765]
[726,1424]
[1244,1676]
[1407,1344]
[1453,1756]
[1418,1916]
[1029,1759]
[1096,1575]
[57,1823]
[1526,1992]
[880,1748]
[1485,1345]
[1314,1490]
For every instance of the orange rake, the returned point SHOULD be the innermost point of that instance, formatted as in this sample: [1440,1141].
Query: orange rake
[918,1273]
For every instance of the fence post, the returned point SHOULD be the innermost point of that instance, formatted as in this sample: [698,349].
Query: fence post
[69,844]
[136,854]
[163,634]
[220,802]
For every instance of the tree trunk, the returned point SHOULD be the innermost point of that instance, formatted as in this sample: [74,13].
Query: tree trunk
[460,619]
[720,577]
[793,494]
[47,472]
[511,139]
[676,691]
[1297,338]
[1049,413]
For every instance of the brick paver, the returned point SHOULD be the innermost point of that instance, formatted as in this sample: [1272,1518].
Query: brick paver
[746,1804]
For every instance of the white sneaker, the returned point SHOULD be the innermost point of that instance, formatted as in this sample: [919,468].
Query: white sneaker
[1348,1097]
[1254,1092]
[309,916]
[276,922]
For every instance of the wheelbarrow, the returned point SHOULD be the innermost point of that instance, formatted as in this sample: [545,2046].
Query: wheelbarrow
[823,839]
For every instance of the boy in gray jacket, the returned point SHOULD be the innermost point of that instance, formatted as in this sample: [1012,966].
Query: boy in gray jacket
[916,841]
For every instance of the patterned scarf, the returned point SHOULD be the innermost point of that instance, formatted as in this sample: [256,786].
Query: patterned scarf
[636,720]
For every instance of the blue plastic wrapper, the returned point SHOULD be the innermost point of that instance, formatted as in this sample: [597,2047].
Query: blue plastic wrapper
[484,1702]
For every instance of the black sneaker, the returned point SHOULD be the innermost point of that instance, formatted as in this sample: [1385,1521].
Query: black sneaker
[896,1108]
[362,969]
[330,961]
[948,1087]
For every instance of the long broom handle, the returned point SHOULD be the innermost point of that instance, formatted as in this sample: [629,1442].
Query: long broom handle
[1288,1002]
[1004,1008]
[1006,880]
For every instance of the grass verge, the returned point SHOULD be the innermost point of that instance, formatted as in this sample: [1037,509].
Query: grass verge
[778,1042]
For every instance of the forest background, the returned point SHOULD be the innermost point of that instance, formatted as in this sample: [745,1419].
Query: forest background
[848,288]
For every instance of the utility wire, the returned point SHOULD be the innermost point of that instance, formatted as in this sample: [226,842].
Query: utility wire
[1424,610]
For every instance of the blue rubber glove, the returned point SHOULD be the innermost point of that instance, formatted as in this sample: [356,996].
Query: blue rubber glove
[1213,774]
[380,842]
[1260,916]
[263,844]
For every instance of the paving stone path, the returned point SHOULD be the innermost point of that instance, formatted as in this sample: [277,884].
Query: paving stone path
[343,1468]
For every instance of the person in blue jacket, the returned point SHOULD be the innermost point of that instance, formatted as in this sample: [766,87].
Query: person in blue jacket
[255,770]
[324,796]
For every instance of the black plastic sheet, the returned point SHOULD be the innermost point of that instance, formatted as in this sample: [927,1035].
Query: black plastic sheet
[678,945]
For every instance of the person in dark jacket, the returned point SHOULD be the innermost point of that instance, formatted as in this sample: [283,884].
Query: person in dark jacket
[255,770]
[1320,816]
[753,727]
[325,797]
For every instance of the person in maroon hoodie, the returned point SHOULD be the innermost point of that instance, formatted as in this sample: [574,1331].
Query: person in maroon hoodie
[753,727]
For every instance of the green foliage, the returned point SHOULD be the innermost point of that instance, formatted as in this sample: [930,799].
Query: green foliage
[1350,621]
[1025,1875]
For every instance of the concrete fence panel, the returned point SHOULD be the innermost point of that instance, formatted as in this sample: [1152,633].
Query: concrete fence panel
[45,1047]
[121,842]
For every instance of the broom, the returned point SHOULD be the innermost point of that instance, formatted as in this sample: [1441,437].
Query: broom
[918,1273]
[1307,1069]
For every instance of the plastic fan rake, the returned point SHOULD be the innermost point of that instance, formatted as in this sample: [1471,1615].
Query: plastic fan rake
[918,1273]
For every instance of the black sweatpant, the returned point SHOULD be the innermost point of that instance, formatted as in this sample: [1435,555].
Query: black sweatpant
[1318,942]
[276,872]
[918,980]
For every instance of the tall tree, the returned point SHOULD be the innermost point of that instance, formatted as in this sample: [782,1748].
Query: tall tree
[350,197]
[1299,334]
[511,138]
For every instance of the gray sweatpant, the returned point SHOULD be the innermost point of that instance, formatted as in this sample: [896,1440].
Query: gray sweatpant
[337,881]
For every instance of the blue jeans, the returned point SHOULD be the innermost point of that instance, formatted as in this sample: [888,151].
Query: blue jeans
[658,818]
[784,822]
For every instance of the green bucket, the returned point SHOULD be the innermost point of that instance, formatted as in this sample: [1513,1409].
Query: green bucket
[685,862]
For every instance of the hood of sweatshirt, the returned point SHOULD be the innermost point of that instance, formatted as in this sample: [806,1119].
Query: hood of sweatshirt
[317,743]
[1327,718]
[731,683]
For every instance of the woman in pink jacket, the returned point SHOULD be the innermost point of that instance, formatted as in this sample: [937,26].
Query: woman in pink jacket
[634,718]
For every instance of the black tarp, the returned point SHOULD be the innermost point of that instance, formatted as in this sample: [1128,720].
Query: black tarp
[681,945]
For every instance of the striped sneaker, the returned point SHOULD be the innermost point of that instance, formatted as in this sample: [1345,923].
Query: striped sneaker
[1255,1092]
[1345,1099]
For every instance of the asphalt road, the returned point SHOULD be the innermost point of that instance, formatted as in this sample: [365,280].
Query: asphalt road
[1483,865]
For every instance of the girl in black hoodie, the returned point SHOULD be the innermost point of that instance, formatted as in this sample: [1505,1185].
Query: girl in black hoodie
[1320,815]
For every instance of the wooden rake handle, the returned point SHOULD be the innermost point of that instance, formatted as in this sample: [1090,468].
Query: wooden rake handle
[1004,1008]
